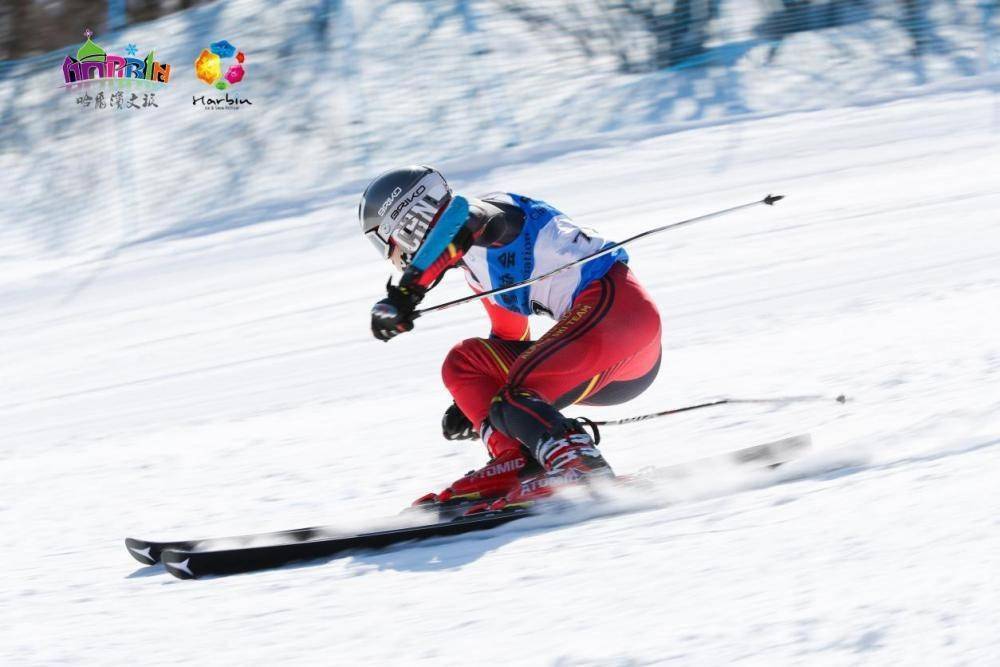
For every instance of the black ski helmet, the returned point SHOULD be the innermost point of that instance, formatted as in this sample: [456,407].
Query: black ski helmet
[399,207]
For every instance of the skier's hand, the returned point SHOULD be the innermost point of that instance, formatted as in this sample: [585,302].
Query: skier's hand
[456,426]
[394,314]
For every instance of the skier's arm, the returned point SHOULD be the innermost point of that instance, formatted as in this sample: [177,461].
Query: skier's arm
[444,248]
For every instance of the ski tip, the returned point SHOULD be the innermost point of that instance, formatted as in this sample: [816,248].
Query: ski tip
[142,551]
[178,563]
[771,200]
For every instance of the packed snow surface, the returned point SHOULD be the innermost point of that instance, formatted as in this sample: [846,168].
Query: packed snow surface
[226,383]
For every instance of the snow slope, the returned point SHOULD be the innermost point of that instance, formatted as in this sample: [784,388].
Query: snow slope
[213,384]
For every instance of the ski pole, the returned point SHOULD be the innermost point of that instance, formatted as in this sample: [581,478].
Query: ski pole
[722,401]
[769,200]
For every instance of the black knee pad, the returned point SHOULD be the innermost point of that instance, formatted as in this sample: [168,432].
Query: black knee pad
[526,417]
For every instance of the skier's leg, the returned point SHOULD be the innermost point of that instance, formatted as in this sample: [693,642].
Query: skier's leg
[617,392]
[474,371]
[617,388]
[608,343]
[611,335]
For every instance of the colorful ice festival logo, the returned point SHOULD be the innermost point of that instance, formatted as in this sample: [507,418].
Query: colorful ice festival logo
[218,56]
[93,62]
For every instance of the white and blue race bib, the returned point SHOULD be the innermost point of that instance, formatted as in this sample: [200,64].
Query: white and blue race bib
[548,240]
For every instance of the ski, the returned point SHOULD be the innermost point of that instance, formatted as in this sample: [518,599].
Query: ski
[768,455]
[148,552]
[191,559]
[195,564]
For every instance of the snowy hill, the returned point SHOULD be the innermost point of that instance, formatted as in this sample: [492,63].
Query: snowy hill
[342,90]
[224,383]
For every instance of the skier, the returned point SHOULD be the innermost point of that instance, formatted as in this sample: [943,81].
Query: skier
[508,390]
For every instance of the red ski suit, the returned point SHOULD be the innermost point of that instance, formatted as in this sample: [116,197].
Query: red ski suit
[605,350]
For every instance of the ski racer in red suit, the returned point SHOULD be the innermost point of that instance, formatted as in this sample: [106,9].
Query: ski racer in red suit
[509,389]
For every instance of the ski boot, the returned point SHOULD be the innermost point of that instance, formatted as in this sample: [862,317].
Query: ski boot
[569,458]
[503,474]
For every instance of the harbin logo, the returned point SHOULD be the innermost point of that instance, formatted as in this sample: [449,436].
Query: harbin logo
[210,64]
[93,62]
[220,66]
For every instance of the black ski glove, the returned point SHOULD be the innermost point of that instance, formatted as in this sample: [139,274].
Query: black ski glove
[456,426]
[394,314]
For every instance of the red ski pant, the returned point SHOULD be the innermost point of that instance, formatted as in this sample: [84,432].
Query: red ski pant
[605,350]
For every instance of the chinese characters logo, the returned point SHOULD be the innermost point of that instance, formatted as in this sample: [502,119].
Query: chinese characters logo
[117,100]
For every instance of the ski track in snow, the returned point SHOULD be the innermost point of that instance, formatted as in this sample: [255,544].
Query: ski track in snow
[224,384]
